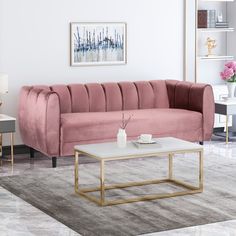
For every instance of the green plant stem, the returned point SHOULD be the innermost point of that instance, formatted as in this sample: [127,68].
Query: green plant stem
[232,79]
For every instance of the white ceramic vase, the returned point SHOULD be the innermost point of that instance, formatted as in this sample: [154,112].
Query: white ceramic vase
[231,88]
[121,138]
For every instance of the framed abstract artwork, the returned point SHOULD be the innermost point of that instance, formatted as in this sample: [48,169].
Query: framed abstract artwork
[98,44]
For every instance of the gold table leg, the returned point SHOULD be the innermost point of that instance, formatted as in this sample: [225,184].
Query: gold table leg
[12,150]
[1,147]
[76,171]
[227,130]
[102,183]
[170,166]
[201,170]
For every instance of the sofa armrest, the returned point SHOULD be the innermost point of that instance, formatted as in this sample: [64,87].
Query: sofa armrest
[194,97]
[39,120]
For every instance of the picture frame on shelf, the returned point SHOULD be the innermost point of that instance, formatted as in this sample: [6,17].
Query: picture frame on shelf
[98,43]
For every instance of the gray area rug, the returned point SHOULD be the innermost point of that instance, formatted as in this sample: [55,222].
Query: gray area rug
[52,191]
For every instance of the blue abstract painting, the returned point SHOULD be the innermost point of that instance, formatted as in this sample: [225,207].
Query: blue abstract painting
[98,43]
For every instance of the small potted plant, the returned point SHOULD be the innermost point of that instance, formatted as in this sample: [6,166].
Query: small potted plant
[122,136]
[229,75]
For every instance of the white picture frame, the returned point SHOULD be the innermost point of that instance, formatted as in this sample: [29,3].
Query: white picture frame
[102,43]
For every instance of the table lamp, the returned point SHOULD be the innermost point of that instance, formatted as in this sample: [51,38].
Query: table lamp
[3,84]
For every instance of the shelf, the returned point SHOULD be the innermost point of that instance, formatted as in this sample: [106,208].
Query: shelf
[215,30]
[216,0]
[216,58]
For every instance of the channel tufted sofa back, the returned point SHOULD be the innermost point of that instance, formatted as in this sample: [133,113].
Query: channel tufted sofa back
[96,97]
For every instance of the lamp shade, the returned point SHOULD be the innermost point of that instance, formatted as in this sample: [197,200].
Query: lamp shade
[3,83]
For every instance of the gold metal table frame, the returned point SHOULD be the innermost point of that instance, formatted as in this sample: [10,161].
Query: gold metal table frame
[190,189]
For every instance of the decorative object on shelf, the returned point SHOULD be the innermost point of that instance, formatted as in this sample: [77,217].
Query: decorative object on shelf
[211,44]
[222,24]
[219,17]
[206,18]
[3,84]
[229,75]
[98,44]
[202,18]
[122,136]
[220,21]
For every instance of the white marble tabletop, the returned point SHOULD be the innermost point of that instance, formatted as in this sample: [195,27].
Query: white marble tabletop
[111,150]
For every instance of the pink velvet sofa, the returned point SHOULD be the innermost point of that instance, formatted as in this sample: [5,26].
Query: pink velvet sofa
[54,119]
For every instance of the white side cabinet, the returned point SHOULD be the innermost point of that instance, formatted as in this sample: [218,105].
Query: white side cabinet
[220,91]
[7,125]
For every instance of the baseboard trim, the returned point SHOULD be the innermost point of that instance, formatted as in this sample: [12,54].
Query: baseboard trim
[18,149]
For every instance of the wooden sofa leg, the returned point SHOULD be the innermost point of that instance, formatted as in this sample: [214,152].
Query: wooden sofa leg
[54,162]
[201,143]
[31,152]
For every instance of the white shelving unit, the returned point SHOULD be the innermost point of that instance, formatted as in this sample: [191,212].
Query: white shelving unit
[220,34]
[207,68]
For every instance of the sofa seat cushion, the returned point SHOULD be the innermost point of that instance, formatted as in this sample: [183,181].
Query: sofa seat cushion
[102,126]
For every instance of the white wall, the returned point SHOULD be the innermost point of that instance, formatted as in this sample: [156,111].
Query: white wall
[34,42]
[190,40]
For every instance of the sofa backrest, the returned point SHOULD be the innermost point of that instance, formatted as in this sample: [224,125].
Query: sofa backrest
[95,97]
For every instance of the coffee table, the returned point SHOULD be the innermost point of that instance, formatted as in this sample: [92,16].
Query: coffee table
[105,152]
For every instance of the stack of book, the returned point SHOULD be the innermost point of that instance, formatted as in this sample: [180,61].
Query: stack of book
[222,25]
[206,18]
